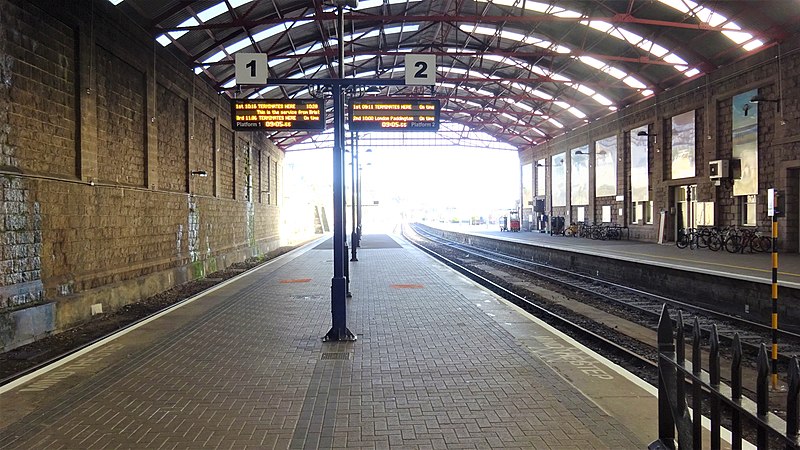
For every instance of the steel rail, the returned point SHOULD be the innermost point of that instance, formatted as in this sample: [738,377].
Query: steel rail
[653,312]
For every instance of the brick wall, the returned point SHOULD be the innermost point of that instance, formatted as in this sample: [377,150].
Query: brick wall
[98,135]
[41,61]
[173,151]
[773,75]
[121,151]
[226,163]
[202,139]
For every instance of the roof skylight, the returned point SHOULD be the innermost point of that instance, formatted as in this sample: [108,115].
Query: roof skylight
[504,34]
[204,16]
[630,37]
[593,62]
[708,16]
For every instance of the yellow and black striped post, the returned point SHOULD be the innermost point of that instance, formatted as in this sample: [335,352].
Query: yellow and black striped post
[775,297]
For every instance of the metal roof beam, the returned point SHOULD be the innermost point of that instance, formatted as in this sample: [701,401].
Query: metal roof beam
[616,19]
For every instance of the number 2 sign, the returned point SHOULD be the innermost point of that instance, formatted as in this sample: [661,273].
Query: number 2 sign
[251,68]
[421,70]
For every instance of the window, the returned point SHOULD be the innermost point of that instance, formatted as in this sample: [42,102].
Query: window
[606,213]
[704,214]
[642,212]
[748,210]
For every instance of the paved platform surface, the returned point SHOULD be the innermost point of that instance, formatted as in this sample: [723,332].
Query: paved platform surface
[755,266]
[439,363]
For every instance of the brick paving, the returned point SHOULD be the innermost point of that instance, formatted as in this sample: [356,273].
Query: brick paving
[430,370]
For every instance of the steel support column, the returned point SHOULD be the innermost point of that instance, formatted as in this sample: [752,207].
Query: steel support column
[339,330]
[353,162]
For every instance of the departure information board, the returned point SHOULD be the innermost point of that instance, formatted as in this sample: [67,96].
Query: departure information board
[394,115]
[277,114]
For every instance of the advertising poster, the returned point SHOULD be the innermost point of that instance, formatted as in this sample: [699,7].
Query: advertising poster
[639,175]
[745,142]
[559,187]
[605,163]
[579,176]
[527,185]
[683,140]
[540,177]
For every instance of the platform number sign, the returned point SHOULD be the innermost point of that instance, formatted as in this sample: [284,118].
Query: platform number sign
[421,70]
[251,68]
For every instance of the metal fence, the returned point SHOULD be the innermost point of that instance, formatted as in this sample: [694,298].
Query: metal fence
[676,375]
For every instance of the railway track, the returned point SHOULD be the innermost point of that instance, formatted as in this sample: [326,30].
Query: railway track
[643,307]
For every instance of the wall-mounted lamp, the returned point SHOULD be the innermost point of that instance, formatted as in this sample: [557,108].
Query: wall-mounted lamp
[200,173]
[760,98]
[645,133]
[346,3]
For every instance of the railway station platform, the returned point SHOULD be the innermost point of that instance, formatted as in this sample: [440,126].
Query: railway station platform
[439,363]
[755,267]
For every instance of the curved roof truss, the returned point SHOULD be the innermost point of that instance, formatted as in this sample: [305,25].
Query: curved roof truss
[520,70]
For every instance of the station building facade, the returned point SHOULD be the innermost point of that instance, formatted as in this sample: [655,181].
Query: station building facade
[702,154]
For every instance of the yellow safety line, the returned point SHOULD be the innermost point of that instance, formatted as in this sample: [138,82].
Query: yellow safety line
[708,263]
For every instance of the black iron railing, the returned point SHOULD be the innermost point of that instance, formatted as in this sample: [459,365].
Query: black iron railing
[675,375]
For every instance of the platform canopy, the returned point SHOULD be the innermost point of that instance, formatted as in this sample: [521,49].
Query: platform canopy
[519,70]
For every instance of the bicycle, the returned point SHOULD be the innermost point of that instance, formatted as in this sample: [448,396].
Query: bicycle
[747,239]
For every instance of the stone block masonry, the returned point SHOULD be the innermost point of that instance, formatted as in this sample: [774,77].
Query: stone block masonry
[99,134]
[21,239]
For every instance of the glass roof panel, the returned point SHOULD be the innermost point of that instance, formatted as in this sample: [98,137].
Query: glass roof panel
[715,19]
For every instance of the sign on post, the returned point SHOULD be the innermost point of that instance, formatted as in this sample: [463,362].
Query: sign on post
[251,68]
[394,115]
[277,114]
[421,70]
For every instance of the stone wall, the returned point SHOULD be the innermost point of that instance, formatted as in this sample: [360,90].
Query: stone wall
[100,131]
[775,74]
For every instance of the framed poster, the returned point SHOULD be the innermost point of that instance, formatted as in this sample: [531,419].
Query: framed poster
[640,177]
[745,142]
[605,167]
[559,179]
[579,176]
[683,145]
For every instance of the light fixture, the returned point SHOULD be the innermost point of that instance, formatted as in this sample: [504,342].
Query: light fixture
[346,3]
[760,98]
[645,133]
[200,173]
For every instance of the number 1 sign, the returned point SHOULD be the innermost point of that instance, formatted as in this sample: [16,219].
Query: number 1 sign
[251,68]
[421,70]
